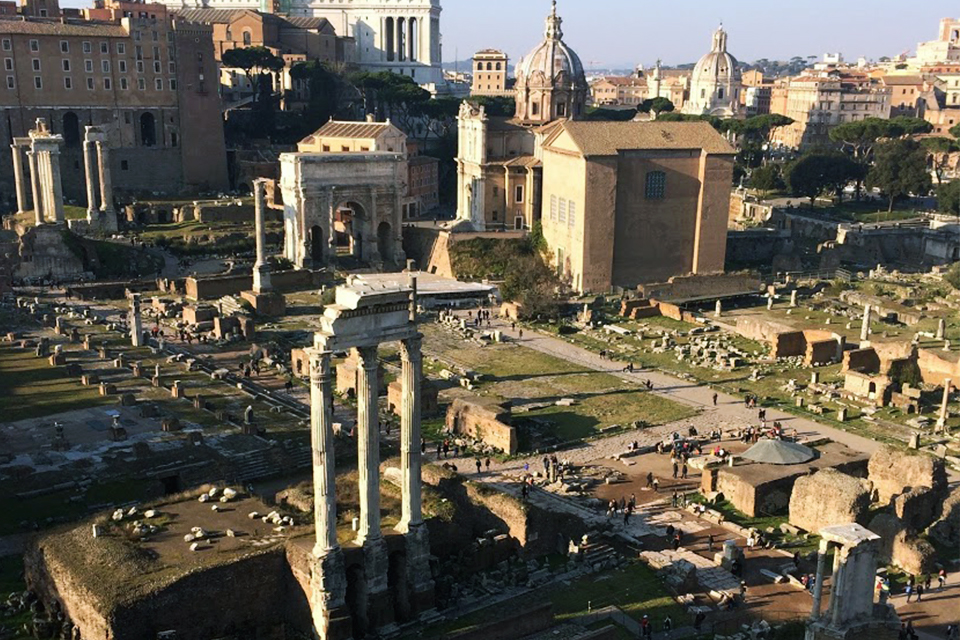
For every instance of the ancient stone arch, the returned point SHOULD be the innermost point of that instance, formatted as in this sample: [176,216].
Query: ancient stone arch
[316,186]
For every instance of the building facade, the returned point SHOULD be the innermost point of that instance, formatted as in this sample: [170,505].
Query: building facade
[716,82]
[130,69]
[946,48]
[627,203]
[490,74]
[618,91]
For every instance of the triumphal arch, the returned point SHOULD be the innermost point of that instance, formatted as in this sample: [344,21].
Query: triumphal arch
[351,588]
[346,203]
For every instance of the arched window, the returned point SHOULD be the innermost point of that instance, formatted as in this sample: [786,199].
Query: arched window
[229,34]
[656,186]
[499,68]
[720,93]
[479,66]
[247,37]
[489,67]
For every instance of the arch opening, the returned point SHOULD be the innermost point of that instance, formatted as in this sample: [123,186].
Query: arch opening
[148,130]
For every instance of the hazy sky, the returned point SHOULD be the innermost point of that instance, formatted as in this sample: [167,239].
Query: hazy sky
[626,32]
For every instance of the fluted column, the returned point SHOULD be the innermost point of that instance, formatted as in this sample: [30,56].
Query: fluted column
[368,444]
[56,187]
[818,583]
[411,374]
[321,440]
[35,187]
[106,181]
[18,178]
[92,212]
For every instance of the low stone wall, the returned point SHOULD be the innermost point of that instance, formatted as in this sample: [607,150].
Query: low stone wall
[107,290]
[485,421]
[429,394]
[694,287]
[674,312]
[520,624]
[212,287]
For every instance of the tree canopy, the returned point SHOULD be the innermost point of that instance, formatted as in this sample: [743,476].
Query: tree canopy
[815,173]
[899,169]
[656,106]
[255,62]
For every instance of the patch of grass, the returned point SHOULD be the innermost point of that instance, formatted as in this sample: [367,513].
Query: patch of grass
[31,388]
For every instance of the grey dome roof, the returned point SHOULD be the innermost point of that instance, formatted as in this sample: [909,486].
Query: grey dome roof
[552,57]
[718,63]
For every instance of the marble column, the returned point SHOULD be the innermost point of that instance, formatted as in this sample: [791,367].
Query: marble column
[92,212]
[35,186]
[321,439]
[837,584]
[56,187]
[18,178]
[865,327]
[941,328]
[411,360]
[718,310]
[368,444]
[793,299]
[261,270]
[136,321]
[106,181]
[328,582]
[944,405]
[818,584]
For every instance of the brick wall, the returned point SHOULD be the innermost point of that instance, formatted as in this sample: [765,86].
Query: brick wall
[484,421]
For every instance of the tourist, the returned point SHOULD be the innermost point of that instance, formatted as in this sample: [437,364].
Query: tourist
[673,499]
[902,634]
[710,541]
[908,589]
[288,386]
[626,515]
[927,581]
[714,399]
[667,626]
[683,471]
[743,591]
[670,531]
[951,631]
[656,484]
[521,334]
[487,462]
[919,592]
[698,621]
[941,579]
[479,466]
[646,631]
[633,501]
[676,541]
[675,468]
[911,633]
[649,479]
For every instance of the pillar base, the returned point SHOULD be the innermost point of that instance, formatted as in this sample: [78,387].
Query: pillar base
[328,585]
[269,303]
[379,603]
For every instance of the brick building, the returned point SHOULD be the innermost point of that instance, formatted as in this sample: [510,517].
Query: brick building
[128,67]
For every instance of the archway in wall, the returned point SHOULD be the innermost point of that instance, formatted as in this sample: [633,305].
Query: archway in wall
[385,241]
[348,222]
[316,244]
[148,130]
[71,129]
[356,600]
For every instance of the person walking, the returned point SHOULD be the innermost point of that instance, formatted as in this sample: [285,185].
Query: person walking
[656,484]
[941,579]
[714,399]
[919,592]
[675,469]
[698,621]
[479,465]
[683,471]
[487,464]
[908,589]
[667,626]
[710,541]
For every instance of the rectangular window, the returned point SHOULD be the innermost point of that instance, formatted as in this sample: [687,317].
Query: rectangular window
[124,84]
[141,84]
[105,66]
[88,66]
[173,84]
[104,48]
[66,64]
[519,193]
[87,46]
[7,44]
[136,36]
[107,84]
[8,64]
[36,64]
[121,48]
[67,83]
[157,68]
[90,84]
[122,66]
[553,208]
[34,45]
[64,46]
[656,185]
[562,211]
[572,214]
[139,66]
[158,83]
[138,52]
[10,82]
[37,82]
[156,36]
[156,53]
[171,67]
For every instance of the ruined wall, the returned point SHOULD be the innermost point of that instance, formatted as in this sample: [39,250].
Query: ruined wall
[935,368]
[756,498]
[429,394]
[828,498]
[820,351]
[701,286]
[211,287]
[891,471]
[484,421]
[518,625]
[863,360]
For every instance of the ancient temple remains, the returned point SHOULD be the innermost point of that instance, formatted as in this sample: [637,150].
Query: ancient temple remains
[43,158]
[263,298]
[360,319]
[96,139]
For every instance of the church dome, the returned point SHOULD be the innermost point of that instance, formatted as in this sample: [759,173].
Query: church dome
[718,64]
[716,82]
[552,71]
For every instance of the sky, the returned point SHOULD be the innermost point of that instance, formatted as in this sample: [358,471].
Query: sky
[624,33]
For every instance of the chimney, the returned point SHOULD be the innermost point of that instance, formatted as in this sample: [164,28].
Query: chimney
[370,117]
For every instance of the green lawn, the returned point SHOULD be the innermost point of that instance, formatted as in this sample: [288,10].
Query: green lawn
[31,388]
[635,589]
[529,377]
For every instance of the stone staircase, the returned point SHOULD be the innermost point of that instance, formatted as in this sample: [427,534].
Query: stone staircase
[230,305]
[257,465]
[598,554]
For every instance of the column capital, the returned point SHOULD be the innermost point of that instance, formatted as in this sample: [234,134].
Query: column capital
[367,357]
[411,347]
[319,366]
